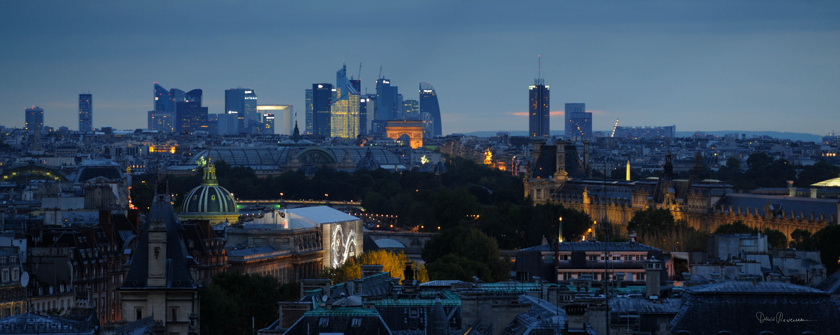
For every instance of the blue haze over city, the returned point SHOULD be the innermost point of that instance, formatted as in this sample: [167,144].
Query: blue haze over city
[712,65]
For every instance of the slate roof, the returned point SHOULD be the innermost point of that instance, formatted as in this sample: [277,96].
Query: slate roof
[797,205]
[177,272]
[593,246]
[749,308]
[44,324]
[830,284]
[546,163]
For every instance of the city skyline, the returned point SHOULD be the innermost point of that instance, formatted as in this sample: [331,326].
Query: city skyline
[700,66]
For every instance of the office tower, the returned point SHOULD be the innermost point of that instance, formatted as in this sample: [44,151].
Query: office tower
[85,112]
[267,124]
[538,109]
[344,112]
[283,122]
[309,117]
[243,102]
[386,100]
[160,121]
[321,101]
[578,121]
[228,124]
[411,109]
[190,117]
[162,101]
[429,106]
[367,104]
[34,117]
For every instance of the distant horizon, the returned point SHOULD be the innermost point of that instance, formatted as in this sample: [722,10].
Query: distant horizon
[711,65]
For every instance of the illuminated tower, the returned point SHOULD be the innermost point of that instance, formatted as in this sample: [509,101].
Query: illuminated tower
[430,110]
[85,112]
[538,109]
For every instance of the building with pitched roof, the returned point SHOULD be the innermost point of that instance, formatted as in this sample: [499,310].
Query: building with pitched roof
[159,282]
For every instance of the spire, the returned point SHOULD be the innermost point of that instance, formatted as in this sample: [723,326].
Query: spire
[296,133]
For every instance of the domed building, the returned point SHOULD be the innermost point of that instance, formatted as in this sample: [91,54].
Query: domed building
[209,201]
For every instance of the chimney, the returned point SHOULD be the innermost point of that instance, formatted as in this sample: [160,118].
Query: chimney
[652,269]
[791,189]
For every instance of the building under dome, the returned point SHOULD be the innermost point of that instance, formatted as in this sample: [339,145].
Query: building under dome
[209,201]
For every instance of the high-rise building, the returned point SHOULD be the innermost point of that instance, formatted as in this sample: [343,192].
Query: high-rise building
[34,118]
[190,117]
[430,111]
[321,109]
[344,112]
[85,112]
[411,109]
[283,116]
[162,100]
[367,104]
[309,116]
[578,121]
[386,107]
[538,109]
[164,117]
[243,103]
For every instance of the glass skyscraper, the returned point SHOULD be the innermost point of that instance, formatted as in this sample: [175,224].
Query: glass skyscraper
[344,112]
[430,110]
[243,103]
[578,121]
[321,109]
[85,112]
[538,109]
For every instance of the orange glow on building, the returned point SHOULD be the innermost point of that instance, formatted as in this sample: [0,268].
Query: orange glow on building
[413,129]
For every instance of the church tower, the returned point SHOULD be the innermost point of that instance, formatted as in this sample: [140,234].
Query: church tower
[159,285]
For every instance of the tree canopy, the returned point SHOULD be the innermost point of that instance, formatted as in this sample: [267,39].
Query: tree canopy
[463,252]
[392,262]
[232,299]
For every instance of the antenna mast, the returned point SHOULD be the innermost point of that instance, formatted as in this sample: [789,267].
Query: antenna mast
[539,67]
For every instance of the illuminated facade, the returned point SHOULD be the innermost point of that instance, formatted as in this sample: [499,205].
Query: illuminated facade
[402,130]
[578,121]
[34,117]
[344,118]
[538,109]
[430,110]
[85,112]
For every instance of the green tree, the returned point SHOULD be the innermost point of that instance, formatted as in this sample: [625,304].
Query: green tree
[229,303]
[803,240]
[392,262]
[776,239]
[469,247]
[826,242]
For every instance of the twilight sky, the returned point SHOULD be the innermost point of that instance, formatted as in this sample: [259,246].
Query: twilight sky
[699,65]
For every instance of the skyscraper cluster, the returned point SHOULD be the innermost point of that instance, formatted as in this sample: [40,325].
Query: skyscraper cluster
[182,112]
[343,111]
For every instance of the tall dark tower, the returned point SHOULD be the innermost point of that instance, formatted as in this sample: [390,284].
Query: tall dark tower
[85,112]
[429,109]
[538,109]
[321,109]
